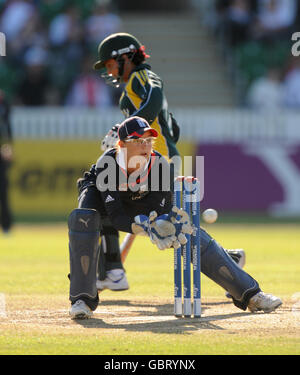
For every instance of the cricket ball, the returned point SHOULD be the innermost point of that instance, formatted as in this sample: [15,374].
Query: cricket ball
[210,215]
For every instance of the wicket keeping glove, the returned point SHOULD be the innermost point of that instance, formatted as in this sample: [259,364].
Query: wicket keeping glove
[143,226]
[179,219]
[165,231]
[111,138]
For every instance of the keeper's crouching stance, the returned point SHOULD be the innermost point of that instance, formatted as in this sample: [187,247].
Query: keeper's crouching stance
[143,211]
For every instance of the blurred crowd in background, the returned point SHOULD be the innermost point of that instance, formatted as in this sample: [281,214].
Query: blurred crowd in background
[255,38]
[50,49]
[52,44]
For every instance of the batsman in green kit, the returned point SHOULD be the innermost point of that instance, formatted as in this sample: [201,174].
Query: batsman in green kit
[122,60]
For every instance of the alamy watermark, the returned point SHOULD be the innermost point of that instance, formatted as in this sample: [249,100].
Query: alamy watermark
[2,44]
[112,177]
[296,46]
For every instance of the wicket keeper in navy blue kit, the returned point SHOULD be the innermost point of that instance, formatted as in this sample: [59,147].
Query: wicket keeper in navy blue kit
[119,194]
[5,160]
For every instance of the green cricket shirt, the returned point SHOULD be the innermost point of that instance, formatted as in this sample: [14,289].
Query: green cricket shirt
[143,96]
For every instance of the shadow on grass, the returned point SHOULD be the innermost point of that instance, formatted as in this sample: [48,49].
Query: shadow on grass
[139,318]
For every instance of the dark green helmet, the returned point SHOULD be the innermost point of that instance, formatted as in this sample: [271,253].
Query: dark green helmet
[114,46]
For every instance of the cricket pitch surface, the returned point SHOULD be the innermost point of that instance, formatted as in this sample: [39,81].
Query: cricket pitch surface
[155,315]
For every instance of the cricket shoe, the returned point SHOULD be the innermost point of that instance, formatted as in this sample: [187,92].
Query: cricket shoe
[239,257]
[264,302]
[115,280]
[80,310]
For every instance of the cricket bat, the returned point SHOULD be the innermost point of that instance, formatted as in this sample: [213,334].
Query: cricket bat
[126,245]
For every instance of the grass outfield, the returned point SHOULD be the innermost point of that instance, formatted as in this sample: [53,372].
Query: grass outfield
[34,302]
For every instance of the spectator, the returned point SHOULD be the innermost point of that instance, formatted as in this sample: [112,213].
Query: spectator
[291,85]
[101,23]
[235,21]
[66,44]
[33,88]
[88,90]
[275,18]
[66,28]
[16,15]
[266,92]
[19,22]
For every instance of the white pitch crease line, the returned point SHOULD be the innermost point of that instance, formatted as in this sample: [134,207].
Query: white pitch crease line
[143,319]
[3,313]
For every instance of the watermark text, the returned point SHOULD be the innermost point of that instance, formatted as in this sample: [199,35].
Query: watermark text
[296,46]
[2,44]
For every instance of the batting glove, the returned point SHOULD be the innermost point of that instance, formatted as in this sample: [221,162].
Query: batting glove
[111,138]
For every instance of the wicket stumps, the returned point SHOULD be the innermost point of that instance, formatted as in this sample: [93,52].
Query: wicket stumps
[187,196]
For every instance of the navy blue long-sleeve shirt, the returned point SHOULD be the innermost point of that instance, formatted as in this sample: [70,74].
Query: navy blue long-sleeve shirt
[125,196]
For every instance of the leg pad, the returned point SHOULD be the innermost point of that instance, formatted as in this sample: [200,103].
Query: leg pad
[84,235]
[221,268]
